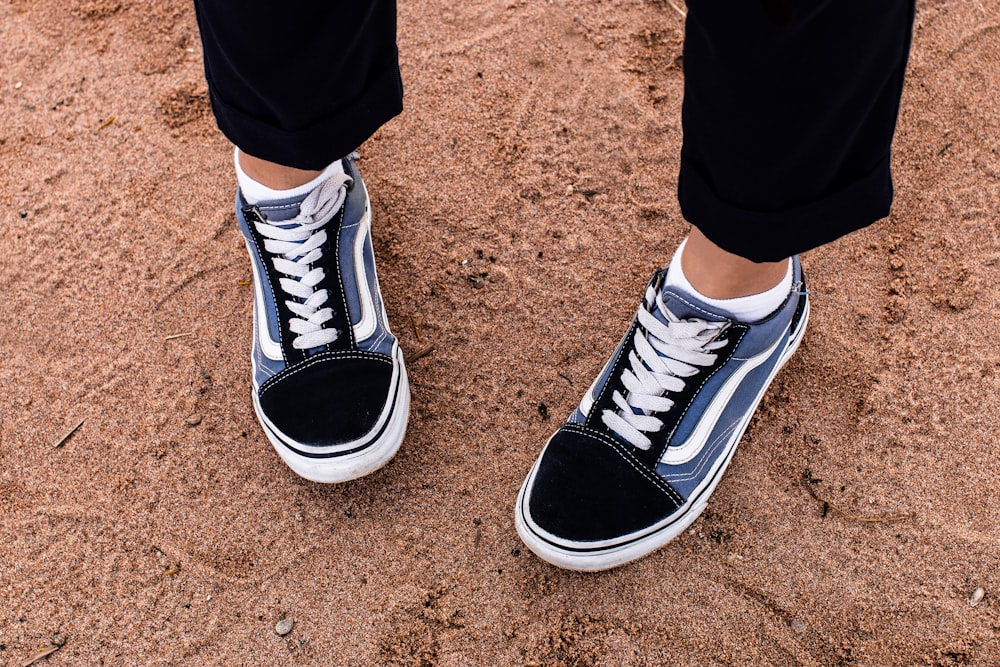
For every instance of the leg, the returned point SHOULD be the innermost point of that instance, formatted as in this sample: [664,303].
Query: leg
[787,128]
[777,164]
[787,133]
[296,91]
[275,176]
[300,88]
[720,274]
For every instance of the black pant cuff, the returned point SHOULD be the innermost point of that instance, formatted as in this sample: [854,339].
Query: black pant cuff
[768,236]
[318,145]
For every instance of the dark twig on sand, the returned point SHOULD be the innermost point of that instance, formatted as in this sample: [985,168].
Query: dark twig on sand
[62,440]
[807,483]
[57,643]
[419,353]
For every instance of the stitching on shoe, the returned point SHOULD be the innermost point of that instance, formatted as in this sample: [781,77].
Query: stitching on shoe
[709,451]
[696,307]
[340,277]
[262,361]
[312,361]
[383,335]
[619,351]
[278,207]
[787,331]
[632,461]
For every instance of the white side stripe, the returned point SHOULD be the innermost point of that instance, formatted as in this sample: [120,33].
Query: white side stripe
[691,447]
[368,323]
[270,347]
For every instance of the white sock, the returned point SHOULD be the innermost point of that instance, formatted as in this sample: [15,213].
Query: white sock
[745,308]
[255,192]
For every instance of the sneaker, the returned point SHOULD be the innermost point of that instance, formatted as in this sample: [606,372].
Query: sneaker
[634,465]
[329,385]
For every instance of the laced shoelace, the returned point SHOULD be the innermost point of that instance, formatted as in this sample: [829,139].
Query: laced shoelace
[296,245]
[662,356]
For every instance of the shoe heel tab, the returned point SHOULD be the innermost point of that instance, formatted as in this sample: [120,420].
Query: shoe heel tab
[351,169]
[798,278]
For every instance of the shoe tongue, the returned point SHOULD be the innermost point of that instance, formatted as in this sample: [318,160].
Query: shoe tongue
[685,306]
[280,210]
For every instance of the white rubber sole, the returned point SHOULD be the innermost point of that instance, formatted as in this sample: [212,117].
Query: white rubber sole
[587,559]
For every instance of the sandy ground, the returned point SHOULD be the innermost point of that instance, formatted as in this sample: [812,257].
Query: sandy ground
[520,203]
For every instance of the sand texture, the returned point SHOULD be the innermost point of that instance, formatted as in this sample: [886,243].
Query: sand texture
[520,204]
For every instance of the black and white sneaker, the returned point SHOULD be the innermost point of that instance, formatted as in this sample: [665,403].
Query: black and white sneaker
[329,385]
[635,464]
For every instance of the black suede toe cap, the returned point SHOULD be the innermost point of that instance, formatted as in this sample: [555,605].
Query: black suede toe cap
[588,487]
[329,399]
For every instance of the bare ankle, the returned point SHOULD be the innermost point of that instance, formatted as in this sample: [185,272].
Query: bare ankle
[274,175]
[719,274]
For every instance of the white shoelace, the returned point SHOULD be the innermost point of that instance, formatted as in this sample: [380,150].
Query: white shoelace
[658,364]
[296,245]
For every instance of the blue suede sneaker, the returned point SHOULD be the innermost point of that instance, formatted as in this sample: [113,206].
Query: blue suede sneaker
[329,385]
[634,465]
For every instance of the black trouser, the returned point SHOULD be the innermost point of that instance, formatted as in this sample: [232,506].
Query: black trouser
[300,82]
[789,111]
[788,116]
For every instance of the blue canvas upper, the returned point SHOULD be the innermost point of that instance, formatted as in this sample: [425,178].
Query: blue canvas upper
[770,333]
[354,219]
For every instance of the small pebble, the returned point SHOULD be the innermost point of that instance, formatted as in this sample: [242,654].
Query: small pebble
[284,626]
[977,596]
[23,214]
[17,86]
[299,516]
[58,640]
[193,420]
[798,626]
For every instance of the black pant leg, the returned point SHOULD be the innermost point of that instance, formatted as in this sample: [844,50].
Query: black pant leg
[300,82]
[789,112]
